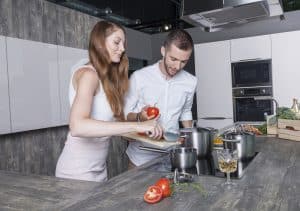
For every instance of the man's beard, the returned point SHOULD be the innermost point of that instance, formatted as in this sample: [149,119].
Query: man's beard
[166,68]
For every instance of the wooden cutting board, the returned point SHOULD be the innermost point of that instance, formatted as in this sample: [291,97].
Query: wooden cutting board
[161,143]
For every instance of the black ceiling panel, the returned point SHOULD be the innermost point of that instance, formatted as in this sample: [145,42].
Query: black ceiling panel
[149,16]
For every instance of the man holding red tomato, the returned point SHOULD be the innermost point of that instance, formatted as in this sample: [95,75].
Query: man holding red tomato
[163,88]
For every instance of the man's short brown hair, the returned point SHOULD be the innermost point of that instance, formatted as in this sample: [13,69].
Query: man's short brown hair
[180,38]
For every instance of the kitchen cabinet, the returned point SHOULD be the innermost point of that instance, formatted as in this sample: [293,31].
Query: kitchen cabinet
[214,89]
[33,84]
[251,48]
[67,58]
[5,126]
[286,67]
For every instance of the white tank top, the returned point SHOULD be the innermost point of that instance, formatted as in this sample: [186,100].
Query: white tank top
[85,158]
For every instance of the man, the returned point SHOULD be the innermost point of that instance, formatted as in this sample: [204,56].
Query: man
[165,85]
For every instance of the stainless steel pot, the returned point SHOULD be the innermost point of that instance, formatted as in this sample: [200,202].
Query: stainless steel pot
[181,157]
[198,138]
[243,142]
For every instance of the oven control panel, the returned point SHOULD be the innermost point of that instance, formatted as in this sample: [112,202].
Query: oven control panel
[253,91]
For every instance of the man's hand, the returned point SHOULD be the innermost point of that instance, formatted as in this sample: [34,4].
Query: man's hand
[143,114]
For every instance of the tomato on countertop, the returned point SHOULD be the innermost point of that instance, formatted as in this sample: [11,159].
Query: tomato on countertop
[165,185]
[152,111]
[153,194]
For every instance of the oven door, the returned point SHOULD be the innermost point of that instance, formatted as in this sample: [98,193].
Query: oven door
[251,73]
[248,109]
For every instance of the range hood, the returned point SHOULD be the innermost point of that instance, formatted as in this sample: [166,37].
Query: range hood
[215,15]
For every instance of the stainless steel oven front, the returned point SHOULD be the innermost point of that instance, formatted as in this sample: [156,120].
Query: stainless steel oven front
[248,109]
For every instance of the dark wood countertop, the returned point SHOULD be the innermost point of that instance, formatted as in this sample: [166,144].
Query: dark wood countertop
[272,182]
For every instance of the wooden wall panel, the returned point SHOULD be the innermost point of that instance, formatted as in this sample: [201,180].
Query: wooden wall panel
[37,152]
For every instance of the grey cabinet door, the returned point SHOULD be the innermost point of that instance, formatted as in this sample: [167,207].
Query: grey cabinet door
[285,67]
[4,97]
[67,58]
[33,84]
[258,47]
[214,90]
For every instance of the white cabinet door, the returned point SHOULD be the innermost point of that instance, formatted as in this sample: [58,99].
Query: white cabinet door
[286,67]
[214,88]
[251,48]
[67,58]
[33,84]
[4,102]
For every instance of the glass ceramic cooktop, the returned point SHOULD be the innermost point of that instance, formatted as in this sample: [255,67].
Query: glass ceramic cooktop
[204,166]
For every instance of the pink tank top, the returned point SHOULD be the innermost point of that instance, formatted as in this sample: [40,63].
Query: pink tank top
[85,158]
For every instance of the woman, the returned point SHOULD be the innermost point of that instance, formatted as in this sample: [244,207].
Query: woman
[96,95]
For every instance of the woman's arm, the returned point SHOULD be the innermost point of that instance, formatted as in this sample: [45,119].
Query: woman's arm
[81,123]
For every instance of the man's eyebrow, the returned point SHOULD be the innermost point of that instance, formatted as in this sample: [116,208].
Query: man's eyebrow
[178,59]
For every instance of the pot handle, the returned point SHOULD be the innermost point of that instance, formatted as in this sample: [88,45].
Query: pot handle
[151,149]
[231,140]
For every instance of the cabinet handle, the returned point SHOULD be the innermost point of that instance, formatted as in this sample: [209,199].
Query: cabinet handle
[213,118]
[248,60]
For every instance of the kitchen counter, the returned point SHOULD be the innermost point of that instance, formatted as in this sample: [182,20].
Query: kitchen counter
[271,182]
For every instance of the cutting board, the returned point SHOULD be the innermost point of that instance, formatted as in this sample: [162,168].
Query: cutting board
[161,143]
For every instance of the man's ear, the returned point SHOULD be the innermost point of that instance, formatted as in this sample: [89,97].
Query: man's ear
[163,51]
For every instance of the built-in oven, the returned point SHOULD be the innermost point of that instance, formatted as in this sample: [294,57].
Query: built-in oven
[249,109]
[251,73]
[250,79]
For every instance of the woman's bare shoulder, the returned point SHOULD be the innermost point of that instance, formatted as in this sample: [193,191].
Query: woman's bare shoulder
[86,75]
[86,72]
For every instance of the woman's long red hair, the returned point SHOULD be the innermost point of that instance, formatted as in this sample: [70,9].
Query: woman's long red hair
[113,76]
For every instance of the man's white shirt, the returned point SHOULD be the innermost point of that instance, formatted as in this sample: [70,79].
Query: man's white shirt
[173,97]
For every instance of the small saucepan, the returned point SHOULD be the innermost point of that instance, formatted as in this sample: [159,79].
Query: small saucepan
[180,157]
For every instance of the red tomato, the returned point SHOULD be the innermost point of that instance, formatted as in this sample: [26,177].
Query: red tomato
[165,185]
[153,195]
[152,111]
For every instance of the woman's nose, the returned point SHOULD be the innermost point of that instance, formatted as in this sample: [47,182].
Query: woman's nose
[122,48]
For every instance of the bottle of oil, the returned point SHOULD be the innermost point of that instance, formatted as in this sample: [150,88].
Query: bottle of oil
[295,106]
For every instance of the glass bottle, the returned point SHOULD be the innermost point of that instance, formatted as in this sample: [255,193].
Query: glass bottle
[295,106]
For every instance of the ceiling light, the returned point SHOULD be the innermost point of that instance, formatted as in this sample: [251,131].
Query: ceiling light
[167,27]
[138,21]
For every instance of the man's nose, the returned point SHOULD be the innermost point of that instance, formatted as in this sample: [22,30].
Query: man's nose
[178,65]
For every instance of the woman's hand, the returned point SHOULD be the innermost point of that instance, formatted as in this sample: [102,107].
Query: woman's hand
[152,128]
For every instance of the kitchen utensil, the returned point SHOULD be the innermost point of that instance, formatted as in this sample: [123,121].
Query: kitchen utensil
[243,142]
[198,138]
[149,141]
[171,137]
[180,157]
[182,177]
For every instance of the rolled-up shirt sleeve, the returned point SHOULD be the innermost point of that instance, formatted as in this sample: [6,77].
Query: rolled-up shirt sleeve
[186,111]
[131,99]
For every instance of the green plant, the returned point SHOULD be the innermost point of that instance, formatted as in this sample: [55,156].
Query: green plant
[286,113]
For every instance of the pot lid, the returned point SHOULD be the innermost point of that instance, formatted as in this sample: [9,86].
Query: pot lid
[194,129]
[239,132]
